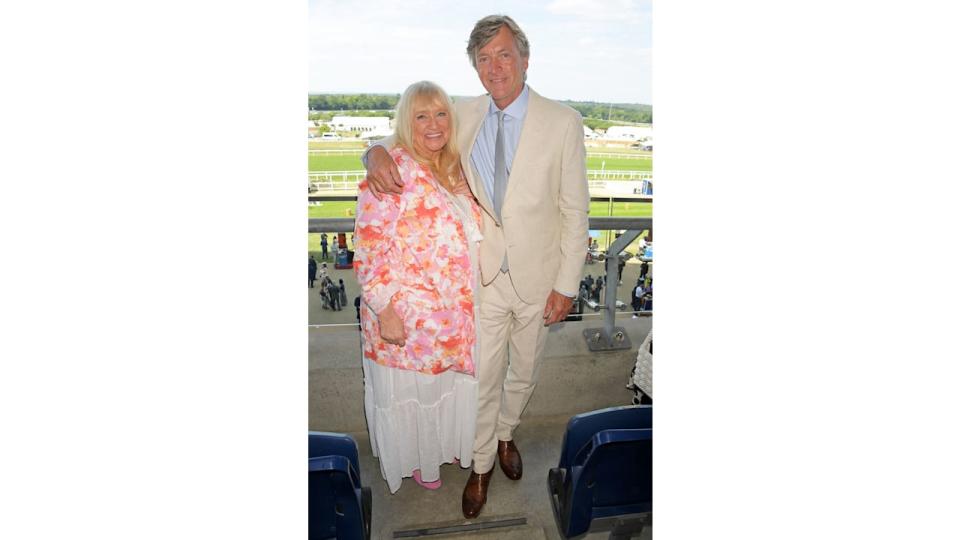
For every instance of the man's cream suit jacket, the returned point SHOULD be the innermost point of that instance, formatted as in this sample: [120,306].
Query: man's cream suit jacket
[544,227]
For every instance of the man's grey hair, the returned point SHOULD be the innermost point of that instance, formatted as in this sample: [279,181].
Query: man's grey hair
[486,29]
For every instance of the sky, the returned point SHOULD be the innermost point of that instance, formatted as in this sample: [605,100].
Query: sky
[581,50]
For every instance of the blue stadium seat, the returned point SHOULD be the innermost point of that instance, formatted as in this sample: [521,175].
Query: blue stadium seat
[605,470]
[340,507]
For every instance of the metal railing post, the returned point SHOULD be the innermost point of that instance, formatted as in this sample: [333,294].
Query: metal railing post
[610,337]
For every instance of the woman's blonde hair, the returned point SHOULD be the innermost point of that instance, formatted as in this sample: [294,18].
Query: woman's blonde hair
[446,166]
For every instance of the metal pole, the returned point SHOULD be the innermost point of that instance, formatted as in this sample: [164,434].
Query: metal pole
[610,337]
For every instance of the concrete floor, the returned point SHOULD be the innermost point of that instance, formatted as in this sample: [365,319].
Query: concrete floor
[413,507]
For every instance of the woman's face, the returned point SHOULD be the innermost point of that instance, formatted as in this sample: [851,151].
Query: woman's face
[431,128]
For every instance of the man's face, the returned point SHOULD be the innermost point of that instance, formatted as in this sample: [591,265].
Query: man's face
[501,68]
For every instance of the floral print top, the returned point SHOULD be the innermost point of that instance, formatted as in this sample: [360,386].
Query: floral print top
[413,248]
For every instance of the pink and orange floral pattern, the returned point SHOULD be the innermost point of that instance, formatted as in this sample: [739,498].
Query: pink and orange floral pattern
[412,248]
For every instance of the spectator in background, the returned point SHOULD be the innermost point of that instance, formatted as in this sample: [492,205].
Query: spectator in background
[644,266]
[641,377]
[637,298]
[343,294]
[334,293]
[311,271]
[323,245]
[324,300]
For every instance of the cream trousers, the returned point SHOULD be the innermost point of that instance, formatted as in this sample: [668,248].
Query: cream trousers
[507,379]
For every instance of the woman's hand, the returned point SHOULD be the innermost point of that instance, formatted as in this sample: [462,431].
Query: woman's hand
[462,187]
[391,326]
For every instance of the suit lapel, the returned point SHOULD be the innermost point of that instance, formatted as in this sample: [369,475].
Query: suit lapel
[473,121]
[527,144]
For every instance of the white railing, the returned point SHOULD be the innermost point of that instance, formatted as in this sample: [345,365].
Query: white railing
[338,151]
[356,176]
[326,181]
[348,180]
[617,188]
[618,155]
[612,174]
[349,186]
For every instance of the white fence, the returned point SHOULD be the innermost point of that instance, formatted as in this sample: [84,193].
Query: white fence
[600,174]
[595,174]
[619,181]
[327,181]
[619,155]
[338,152]
[323,176]
[617,188]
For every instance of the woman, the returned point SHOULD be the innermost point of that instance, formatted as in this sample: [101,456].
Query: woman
[417,268]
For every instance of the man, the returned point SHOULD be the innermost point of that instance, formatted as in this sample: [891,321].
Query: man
[323,245]
[637,302]
[647,299]
[333,292]
[598,289]
[525,161]
[324,299]
[311,271]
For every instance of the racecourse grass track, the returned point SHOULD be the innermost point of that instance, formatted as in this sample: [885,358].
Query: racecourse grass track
[351,162]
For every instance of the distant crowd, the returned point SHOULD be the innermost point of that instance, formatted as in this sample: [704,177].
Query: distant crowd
[332,295]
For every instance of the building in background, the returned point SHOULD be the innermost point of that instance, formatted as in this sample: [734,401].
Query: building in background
[360,123]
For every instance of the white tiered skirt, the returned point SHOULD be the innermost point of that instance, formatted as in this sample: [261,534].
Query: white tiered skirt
[418,421]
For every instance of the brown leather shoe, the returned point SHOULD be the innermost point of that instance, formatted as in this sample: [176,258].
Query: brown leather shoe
[510,460]
[475,493]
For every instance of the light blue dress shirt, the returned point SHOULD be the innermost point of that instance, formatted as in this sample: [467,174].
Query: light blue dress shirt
[482,154]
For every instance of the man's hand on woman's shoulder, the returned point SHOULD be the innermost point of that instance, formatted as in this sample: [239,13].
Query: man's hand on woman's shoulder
[383,176]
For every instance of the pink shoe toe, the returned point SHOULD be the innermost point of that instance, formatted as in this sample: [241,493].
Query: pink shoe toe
[428,485]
